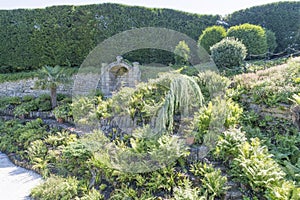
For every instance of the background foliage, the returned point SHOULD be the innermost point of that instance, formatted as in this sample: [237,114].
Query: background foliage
[64,35]
[281,17]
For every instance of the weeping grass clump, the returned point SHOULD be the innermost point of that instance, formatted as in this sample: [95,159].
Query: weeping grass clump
[184,98]
[157,102]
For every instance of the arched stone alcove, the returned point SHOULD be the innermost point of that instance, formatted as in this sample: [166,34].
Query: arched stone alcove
[118,74]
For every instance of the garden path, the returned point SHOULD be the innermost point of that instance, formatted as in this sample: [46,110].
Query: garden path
[16,182]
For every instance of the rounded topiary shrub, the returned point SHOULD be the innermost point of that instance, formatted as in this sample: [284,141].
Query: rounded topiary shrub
[211,36]
[228,53]
[252,36]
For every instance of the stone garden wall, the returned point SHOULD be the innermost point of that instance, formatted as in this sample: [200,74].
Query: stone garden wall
[26,87]
[111,80]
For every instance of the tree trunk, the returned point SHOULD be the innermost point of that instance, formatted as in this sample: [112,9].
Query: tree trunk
[296,115]
[53,96]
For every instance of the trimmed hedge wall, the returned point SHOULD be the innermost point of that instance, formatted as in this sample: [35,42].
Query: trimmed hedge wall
[283,18]
[64,35]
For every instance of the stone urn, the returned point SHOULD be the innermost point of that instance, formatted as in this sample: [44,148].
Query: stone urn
[190,140]
[60,120]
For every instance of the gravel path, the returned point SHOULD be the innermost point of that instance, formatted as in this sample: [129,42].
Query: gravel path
[16,182]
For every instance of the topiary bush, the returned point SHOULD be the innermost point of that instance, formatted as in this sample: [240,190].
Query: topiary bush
[211,36]
[228,53]
[252,36]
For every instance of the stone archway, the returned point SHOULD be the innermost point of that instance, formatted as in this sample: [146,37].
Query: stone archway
[118,74]
[118,77]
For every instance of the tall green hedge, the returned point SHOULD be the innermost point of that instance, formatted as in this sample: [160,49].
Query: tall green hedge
[283,18]
[64,35]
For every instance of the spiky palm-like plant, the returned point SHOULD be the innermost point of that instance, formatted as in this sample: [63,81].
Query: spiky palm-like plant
[50,78]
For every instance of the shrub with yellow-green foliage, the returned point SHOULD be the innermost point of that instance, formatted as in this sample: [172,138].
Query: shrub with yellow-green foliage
[182,53]
[256,167]
[56,188]
[252,36]
[213,183]
[211,36]
[253,165]
[217,115]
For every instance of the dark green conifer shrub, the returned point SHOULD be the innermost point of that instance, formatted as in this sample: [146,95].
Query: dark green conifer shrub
[228,53]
